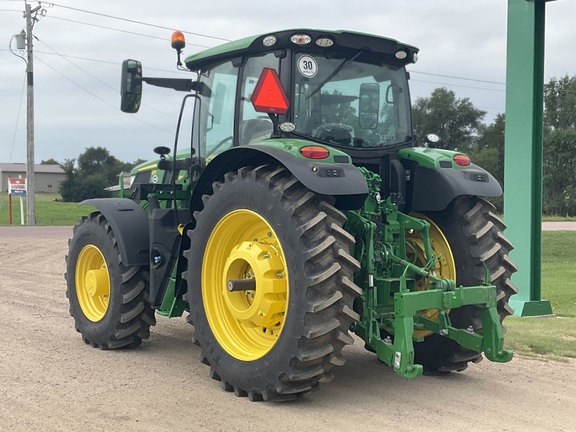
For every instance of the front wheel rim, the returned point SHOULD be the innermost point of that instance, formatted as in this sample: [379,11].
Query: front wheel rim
[92,283]
[243,250]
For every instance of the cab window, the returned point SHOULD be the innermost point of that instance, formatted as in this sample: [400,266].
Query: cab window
[254,126]
[214,115]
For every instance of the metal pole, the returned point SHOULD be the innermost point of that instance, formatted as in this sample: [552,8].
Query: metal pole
[523,150]
[30,195]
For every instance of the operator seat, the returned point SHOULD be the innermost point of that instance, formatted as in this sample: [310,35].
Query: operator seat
[255,130]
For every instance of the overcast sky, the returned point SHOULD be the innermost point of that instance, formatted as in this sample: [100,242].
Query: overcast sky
[78,55]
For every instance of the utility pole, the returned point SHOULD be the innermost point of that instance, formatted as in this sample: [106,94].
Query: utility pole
[31,192]
[31,18]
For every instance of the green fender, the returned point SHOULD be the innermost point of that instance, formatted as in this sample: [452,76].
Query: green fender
[334,176]
[130,227]
[436,179]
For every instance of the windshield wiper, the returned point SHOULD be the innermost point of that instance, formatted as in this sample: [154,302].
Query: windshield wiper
[333,74]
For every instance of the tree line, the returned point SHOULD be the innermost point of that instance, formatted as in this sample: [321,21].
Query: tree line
[457,122]
[89,176]
[459,125]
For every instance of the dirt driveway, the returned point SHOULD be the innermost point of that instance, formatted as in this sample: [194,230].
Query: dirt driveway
[51,381]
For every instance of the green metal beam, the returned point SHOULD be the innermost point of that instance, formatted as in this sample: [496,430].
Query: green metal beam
[523,151]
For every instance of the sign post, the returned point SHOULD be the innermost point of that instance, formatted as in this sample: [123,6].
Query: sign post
[17,187]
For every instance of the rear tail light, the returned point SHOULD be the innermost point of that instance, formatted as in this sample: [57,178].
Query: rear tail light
[462,160]
[314,152]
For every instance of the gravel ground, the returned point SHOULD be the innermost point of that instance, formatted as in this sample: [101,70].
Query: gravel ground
[51,381]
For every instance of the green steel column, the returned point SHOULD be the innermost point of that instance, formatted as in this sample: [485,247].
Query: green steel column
[523,151]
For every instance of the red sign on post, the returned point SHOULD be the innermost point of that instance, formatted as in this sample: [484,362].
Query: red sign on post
[17,186]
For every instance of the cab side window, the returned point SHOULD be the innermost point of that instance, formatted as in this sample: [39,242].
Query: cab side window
[254,126]
[214,115]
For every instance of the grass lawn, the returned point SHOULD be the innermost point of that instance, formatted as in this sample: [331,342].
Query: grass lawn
[48,210]
[551,336]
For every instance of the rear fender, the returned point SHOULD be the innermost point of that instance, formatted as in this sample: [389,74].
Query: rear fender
[334,176]
[130,226]
[436,179]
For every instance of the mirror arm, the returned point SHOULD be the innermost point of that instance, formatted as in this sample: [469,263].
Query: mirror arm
[178,84]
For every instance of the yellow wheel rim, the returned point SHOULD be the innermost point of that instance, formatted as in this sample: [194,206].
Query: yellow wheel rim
[92,283]
[444,267]
[244,249]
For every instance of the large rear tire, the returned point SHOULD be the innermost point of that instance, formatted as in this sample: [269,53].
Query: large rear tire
[283,252]
[474,234]
[107,299]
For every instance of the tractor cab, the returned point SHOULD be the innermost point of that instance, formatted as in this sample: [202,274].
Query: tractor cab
[339,89]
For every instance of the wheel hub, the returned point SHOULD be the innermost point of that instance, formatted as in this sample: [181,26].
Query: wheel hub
[96,282]
[262,306]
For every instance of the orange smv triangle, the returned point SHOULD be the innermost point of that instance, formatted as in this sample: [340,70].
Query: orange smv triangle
[269,95]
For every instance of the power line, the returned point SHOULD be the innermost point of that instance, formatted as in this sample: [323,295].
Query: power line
[227,40]
[96,78]
[97,97]
[78,67]
[101,61]
[119,30]
[17,118]
[458,85]
[138,22]
[460,78]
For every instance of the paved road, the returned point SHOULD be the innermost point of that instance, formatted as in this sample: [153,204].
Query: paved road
[558,226]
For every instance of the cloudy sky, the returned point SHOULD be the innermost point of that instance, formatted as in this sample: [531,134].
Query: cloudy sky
[81,44]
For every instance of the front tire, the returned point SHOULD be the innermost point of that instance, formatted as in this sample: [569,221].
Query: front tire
[107,299]
[283,252]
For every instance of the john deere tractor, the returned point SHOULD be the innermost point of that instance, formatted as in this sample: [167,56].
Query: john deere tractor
[293,210]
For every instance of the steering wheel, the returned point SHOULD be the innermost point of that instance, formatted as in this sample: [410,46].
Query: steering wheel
[220,144]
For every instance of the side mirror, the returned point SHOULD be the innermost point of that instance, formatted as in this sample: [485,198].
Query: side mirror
[131,86]
[369,105]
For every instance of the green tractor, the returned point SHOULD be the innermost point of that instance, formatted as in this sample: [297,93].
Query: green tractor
[292,211]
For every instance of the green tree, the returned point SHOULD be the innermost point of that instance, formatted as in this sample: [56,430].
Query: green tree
[455,121]
[560,104]
[68,187]
[98,160]
[50,162]
[90,175]
[488,152]
[559,180]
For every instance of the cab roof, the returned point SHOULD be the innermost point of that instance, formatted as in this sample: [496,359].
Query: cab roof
[377,47]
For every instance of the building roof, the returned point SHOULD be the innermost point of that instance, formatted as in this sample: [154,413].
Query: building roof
[38,168]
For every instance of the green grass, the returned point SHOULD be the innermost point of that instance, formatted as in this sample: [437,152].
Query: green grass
[47,210]
[552,218]
[551,336]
